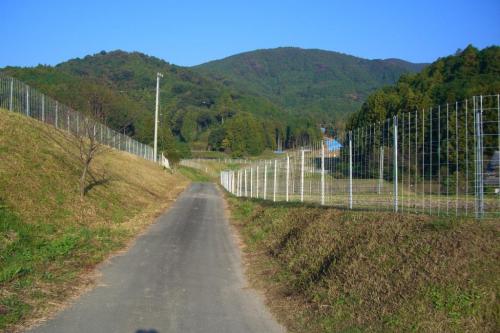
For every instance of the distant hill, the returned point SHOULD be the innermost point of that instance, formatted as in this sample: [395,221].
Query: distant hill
[453,78]
[199,111]
[328,85]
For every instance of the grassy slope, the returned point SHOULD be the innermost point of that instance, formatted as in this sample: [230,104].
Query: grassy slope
[49,238]
[327,270]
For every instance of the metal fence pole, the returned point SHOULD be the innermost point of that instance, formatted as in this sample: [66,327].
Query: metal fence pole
[287,174]
[27,101]
[380,170]
[251,182]
[350,169]
[43,108]
[302,175]
[245,193]
[11,97]
[479,157]
[395,166]
[257,182]
[265,181]
[57,113]
[322,173]
[275,179]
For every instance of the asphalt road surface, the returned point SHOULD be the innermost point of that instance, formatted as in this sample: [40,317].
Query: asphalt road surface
[183,275]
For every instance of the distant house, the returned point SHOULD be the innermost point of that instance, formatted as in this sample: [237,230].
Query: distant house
[332,147]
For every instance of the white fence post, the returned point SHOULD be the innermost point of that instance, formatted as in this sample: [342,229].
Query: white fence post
[350,169]
[265,180]
[251,182]
[322,173]
[302,152]
[287,174]
[57,113]
[11,97]
[395,166]
[275,179]
[257,182]
[27,101]
[478,138]
[43,108]
[380,170]
[245,194]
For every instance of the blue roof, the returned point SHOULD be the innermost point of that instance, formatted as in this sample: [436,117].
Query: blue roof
[332,144]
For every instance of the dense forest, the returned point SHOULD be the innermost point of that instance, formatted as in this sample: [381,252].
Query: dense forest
[454,78]
[326,85]
[197,112]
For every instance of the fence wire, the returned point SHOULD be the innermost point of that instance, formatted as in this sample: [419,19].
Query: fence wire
[443,160]
[16,96]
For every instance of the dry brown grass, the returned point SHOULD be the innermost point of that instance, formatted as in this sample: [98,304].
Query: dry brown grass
[50,239]
[327,270]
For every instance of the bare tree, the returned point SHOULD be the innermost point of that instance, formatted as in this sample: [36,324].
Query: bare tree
[87,139]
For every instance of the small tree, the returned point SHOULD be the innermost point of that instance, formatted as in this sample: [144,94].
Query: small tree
[87,138]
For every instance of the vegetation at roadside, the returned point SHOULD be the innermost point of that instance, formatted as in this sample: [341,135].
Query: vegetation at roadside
[194,175]
[49,236]
[329,270]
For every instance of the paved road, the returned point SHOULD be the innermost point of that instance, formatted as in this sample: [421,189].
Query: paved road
[183,275]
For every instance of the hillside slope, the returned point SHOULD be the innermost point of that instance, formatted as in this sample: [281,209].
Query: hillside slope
[192,105]
[330,270]
[324,83]
[49,238]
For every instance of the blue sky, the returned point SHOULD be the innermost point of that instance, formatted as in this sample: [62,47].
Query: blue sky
[187,32]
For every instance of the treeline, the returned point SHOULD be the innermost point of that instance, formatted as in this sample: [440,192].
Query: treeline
[196,112]
[454,78]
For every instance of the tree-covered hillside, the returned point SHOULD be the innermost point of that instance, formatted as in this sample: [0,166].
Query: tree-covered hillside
[325,84]
[196,111]
[454,78]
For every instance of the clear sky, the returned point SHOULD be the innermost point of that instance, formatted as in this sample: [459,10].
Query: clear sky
[186,32]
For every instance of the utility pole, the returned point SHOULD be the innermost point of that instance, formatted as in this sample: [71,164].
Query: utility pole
[155,152]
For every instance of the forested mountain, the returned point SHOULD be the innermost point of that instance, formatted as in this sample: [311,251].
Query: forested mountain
[197,111]
[454,78]
[328,85]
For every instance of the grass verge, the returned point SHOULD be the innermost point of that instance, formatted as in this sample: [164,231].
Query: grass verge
[329,270]
[51,240]
[194,175]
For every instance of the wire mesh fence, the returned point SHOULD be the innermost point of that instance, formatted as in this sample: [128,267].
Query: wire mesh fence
[16,96]
[443,160]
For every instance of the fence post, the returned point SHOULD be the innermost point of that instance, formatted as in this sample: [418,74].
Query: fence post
[43,108]
[350,169]
[275,179]
[380,170]
[245,193]
[257,182]
[323,173]
[11,97]
[67,119]
[57,113]
[265,180]
[251,182]
[395,166]
[233,183]
[287,174]
[478,117]
[27,101]
[302,175]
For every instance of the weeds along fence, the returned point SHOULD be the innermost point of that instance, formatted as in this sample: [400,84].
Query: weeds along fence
[16,96]
[443,160]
